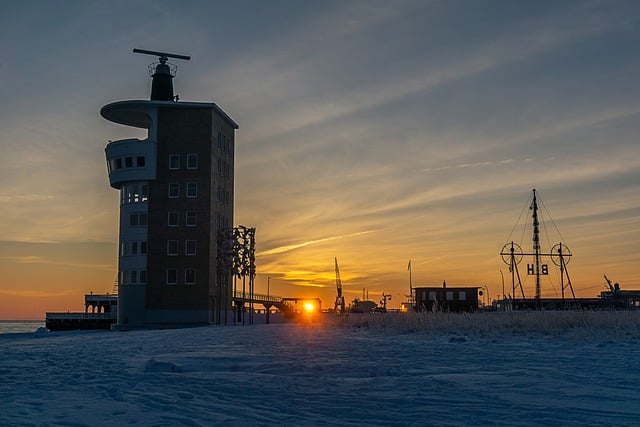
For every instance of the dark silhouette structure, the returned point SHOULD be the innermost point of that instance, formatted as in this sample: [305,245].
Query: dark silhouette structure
[176,192]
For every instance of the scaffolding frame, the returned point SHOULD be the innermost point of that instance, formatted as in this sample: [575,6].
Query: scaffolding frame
[235,260]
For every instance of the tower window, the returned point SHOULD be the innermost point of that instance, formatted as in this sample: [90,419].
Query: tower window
[190,276]
[134,193]
[137,219]
[128,162]
[192,189]
[190,247]
[143,276]
[191,218]
[174,190]
[174,161]
[143,247]
[140,161]
[172,276]
[192,161]
[172,218]
[118,163]
[134,276]
[172,247]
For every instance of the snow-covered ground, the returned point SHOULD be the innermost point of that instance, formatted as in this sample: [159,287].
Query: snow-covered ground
[363,370]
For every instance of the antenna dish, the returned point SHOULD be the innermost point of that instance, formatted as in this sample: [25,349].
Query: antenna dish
[162,56]
[162,74]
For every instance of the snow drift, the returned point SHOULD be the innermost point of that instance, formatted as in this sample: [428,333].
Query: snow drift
[491,368]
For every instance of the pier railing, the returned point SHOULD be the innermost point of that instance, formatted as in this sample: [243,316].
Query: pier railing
[80,316]
[257,298]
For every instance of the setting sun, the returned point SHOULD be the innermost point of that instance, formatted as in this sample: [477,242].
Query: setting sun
[309,307]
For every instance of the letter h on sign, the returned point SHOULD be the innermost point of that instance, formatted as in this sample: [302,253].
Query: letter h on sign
[544,269]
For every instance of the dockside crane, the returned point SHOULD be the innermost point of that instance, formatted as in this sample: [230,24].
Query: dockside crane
[616,296]
[612,287]
[339,305]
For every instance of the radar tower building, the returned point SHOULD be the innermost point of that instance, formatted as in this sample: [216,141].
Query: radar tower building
[176,192]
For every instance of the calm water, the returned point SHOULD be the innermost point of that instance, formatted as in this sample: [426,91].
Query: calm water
[20,326]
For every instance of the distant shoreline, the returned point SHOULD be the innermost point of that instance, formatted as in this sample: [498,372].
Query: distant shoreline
[20,326]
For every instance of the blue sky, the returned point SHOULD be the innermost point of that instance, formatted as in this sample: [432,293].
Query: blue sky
[373,131]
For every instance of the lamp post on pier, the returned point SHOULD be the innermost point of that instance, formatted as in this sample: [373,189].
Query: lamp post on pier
[488,296]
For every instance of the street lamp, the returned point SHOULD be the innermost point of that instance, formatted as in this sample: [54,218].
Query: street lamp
[488,297]
[268,285]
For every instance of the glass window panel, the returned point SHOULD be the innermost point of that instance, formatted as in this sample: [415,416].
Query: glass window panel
[190,276]
[190,247]
[192,161]
[144,193]
[172,218]
[172,276]
[174,161]
[172,247]
[191,218]
[192,189]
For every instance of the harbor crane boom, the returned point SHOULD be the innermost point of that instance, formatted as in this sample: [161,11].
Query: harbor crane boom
[609,283]
[338,307]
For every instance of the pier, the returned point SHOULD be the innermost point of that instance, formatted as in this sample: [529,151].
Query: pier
[100,312]
[243,301]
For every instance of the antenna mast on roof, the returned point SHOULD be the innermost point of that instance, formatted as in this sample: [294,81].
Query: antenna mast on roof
[162,73]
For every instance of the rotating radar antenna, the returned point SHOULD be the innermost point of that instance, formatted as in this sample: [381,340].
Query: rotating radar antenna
[162,73]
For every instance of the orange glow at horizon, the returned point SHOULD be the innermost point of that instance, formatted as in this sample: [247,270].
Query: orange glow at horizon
[52,277]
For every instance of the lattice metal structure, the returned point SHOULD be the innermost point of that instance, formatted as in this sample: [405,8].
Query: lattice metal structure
[560,255]
[235,260]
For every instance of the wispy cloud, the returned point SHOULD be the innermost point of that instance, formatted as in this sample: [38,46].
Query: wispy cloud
[288,248]
[33,259]
[35,293]
[426,122]
[25,198]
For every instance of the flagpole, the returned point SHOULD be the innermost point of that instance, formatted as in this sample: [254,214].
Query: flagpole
[410,284]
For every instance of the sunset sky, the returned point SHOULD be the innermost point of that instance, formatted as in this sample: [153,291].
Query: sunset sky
[371,131]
